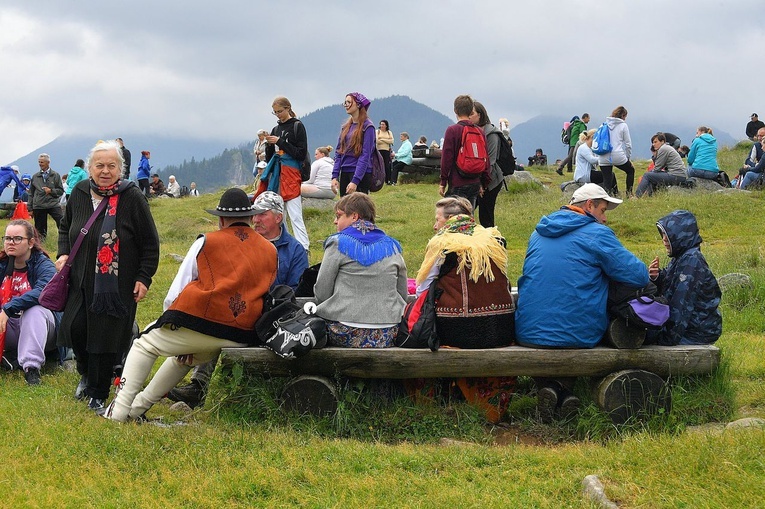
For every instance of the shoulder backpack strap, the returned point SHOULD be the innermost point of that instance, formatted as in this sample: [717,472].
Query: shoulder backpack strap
[84,231]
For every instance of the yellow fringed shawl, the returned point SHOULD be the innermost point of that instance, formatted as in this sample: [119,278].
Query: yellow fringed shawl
[474,251]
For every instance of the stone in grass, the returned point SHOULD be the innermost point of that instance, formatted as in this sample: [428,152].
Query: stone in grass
[315,203]
[747,422]
[594,490]
[523,177]
[734,280]
[181,406]
[178,258]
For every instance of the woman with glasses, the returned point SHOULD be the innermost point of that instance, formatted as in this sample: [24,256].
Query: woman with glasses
[111,271]
[285,155]
[353,164]
[29,328]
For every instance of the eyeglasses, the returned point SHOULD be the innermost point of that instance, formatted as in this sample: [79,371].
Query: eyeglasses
[14,240]
[347,103]
[277,113]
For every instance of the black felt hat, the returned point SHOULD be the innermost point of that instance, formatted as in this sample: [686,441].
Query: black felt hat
[233,203]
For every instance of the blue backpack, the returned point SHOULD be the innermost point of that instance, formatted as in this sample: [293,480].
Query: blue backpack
[601,140]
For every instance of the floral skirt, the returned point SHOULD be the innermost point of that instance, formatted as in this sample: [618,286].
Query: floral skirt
[339,334]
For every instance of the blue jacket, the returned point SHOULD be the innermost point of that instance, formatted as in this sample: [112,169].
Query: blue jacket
[40,270]
[688,284]
[6,175]
[144,168]
[293,260]
[76,175]
[703,154]
[562,293]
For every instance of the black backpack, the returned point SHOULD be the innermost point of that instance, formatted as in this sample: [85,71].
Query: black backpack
[505,157]
[565,134]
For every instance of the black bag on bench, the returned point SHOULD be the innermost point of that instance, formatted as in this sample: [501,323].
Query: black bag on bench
[285,328]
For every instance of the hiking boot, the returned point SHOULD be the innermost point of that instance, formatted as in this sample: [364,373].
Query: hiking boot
[32,376]
[569,407]
[193,394]
[559,171]
[79,392]
[6,364]
[547,403]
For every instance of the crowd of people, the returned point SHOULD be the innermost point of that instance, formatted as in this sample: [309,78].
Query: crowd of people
[361,286]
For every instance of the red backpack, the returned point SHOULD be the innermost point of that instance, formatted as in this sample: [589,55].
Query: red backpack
[472,157]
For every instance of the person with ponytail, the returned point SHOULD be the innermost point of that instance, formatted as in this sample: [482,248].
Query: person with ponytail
[111,272]
[25,326]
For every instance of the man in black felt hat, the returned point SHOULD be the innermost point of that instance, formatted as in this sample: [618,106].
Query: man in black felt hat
[213,303]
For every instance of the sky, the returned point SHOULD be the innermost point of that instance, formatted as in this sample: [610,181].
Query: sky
[210,70]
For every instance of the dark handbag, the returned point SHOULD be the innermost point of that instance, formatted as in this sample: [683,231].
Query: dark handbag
[418,325]
[285,328]
[56,292]
[307,281]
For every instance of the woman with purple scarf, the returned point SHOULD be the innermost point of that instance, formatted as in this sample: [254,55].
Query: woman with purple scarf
[361,287]
[111,272]
[353,165]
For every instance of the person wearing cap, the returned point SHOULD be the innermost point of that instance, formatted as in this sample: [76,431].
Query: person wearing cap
[45,191]
[353,165]
[753,126]
[293,261]
[8,174]
[26,179]
[286,153]
[157,187]
[213,303]
[571,258]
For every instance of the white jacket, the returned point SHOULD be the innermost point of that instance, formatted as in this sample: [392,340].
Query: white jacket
[620,141]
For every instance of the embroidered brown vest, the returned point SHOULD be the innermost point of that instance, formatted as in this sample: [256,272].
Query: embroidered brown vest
[462,297]
[236,267]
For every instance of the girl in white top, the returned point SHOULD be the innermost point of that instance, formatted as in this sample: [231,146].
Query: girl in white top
[320,183]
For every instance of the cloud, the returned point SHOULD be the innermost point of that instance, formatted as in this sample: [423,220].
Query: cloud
[211,70]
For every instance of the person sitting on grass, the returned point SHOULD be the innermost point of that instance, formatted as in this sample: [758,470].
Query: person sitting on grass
[668,169]
[539,158]
[28,328]
[687,283]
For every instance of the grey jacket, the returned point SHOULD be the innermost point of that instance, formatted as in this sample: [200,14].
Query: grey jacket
[668,159]
[38,198]
[349,292]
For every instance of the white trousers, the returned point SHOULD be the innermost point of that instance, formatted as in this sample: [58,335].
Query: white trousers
[295,212]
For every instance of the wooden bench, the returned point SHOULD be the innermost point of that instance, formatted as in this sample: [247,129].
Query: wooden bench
[633,380]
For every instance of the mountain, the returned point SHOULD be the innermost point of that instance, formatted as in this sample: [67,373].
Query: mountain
[543,132]
[66,149]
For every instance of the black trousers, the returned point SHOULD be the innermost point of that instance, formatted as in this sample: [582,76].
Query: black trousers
[486,205]
[98,369]
[41,219]
[363,187]
[386,158]
[143,185]
[609,180]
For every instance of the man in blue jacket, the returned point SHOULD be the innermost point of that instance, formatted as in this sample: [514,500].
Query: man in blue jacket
[571,257]
[268,221]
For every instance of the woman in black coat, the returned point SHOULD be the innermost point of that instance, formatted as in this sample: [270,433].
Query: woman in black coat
[111,272]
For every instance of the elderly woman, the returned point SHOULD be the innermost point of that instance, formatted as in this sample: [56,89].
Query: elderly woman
[173,187]
[468,265]
[361,287]
[475,309]
[111,272]
[28,328]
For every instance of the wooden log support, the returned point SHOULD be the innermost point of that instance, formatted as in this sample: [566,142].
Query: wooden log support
[400,363]
[621,335]
[309,394]
[633,394]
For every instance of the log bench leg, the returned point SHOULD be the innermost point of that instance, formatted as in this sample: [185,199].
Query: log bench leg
[633,394]
[307,394]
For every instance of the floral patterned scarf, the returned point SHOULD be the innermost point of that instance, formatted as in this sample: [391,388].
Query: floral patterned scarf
[106,297]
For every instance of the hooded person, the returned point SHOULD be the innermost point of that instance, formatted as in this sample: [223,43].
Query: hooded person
[687,283]
[213,302]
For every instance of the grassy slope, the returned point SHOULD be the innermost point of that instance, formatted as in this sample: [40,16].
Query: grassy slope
[58,454]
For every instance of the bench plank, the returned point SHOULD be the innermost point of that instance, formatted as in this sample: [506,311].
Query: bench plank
[401,363]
